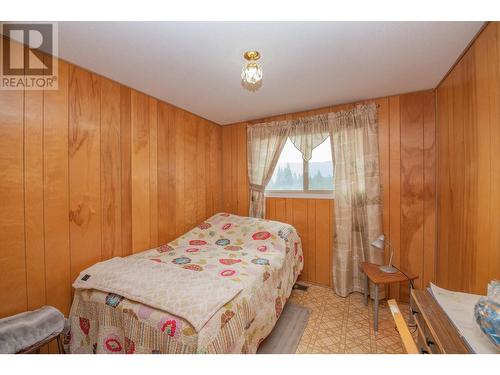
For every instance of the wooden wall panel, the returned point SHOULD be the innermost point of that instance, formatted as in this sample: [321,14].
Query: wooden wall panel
[417,238]
[166,173]
[84,169]
[153,172]
[216,167]
[91,171]
[56,193]
[394,202]
[12,229]
[468,179]
[429,193]
[201,178]
[178,136]
[190,169]
[412,168]
[493,34]
[313,220]
[384,157]
[484,158]
[189,163]
[210,167]
[310,245]
[241,166]
[324,242]
[227,200]
[298,216]
[140,172]
[234,155]
[110,170]
[443,177]
[126,168]
[407,168]
[33,198]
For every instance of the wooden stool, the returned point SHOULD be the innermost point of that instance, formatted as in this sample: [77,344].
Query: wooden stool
[375,275]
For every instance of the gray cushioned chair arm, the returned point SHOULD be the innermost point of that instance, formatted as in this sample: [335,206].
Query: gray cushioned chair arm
[23,330]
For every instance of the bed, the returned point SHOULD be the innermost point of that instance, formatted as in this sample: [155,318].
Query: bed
[219,288]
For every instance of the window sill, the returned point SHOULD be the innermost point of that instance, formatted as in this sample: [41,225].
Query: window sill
[291,194]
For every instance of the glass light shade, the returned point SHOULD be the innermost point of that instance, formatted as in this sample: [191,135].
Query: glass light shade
[252,73]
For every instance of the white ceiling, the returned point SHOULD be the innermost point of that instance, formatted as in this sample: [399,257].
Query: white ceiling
[197,65]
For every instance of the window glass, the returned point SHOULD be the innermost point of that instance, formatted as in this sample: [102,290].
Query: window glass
[321,167]
[289,172]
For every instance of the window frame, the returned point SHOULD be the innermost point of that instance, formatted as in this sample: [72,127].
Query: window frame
[305,192]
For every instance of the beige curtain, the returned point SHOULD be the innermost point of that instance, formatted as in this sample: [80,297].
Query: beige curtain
[358,209]
[264,145]
[308,133]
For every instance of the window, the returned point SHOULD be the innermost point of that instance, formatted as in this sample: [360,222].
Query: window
[289,172]
[321,167]
[294,175]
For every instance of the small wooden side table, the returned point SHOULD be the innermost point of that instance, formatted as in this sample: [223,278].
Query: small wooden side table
[378,277]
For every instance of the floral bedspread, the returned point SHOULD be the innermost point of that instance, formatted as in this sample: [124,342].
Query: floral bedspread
[263,256]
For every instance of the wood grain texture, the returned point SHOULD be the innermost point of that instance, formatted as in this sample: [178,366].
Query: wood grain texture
[394,202]
[407,168]
[84,169]
[201,178]
[33,198]
[153,172]
[110,170]
[234,155]
[468,178]
[178,134]
[12,226]
[58,279]
[435,325]
[189,164]
[140,172]
[166,173]
[227,201]
[91,171]
[312,220]
[494,110]
[126,168]
[429,193]
[412,177]
[56,193]
[402,327]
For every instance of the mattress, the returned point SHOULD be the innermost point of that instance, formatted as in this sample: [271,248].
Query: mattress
[263,258]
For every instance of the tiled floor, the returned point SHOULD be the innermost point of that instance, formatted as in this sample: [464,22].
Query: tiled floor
[345,325]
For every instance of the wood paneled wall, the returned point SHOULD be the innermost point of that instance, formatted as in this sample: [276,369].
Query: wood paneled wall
[91,171]
[468,124]
[407,165]
[313,219]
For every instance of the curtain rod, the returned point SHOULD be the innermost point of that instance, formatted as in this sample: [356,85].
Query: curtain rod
[263,121]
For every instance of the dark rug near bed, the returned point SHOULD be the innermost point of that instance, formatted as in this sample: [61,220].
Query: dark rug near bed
[286,335]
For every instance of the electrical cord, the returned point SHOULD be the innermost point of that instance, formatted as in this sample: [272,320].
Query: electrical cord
[410,325]
[412,331]
[408,277]
[412,286]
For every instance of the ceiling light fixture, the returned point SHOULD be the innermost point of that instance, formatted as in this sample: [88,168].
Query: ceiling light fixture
[251,74]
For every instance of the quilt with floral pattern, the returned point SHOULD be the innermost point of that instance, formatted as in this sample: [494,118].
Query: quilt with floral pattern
[264,258]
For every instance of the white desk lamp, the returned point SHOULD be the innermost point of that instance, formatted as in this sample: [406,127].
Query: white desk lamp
[380,243]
